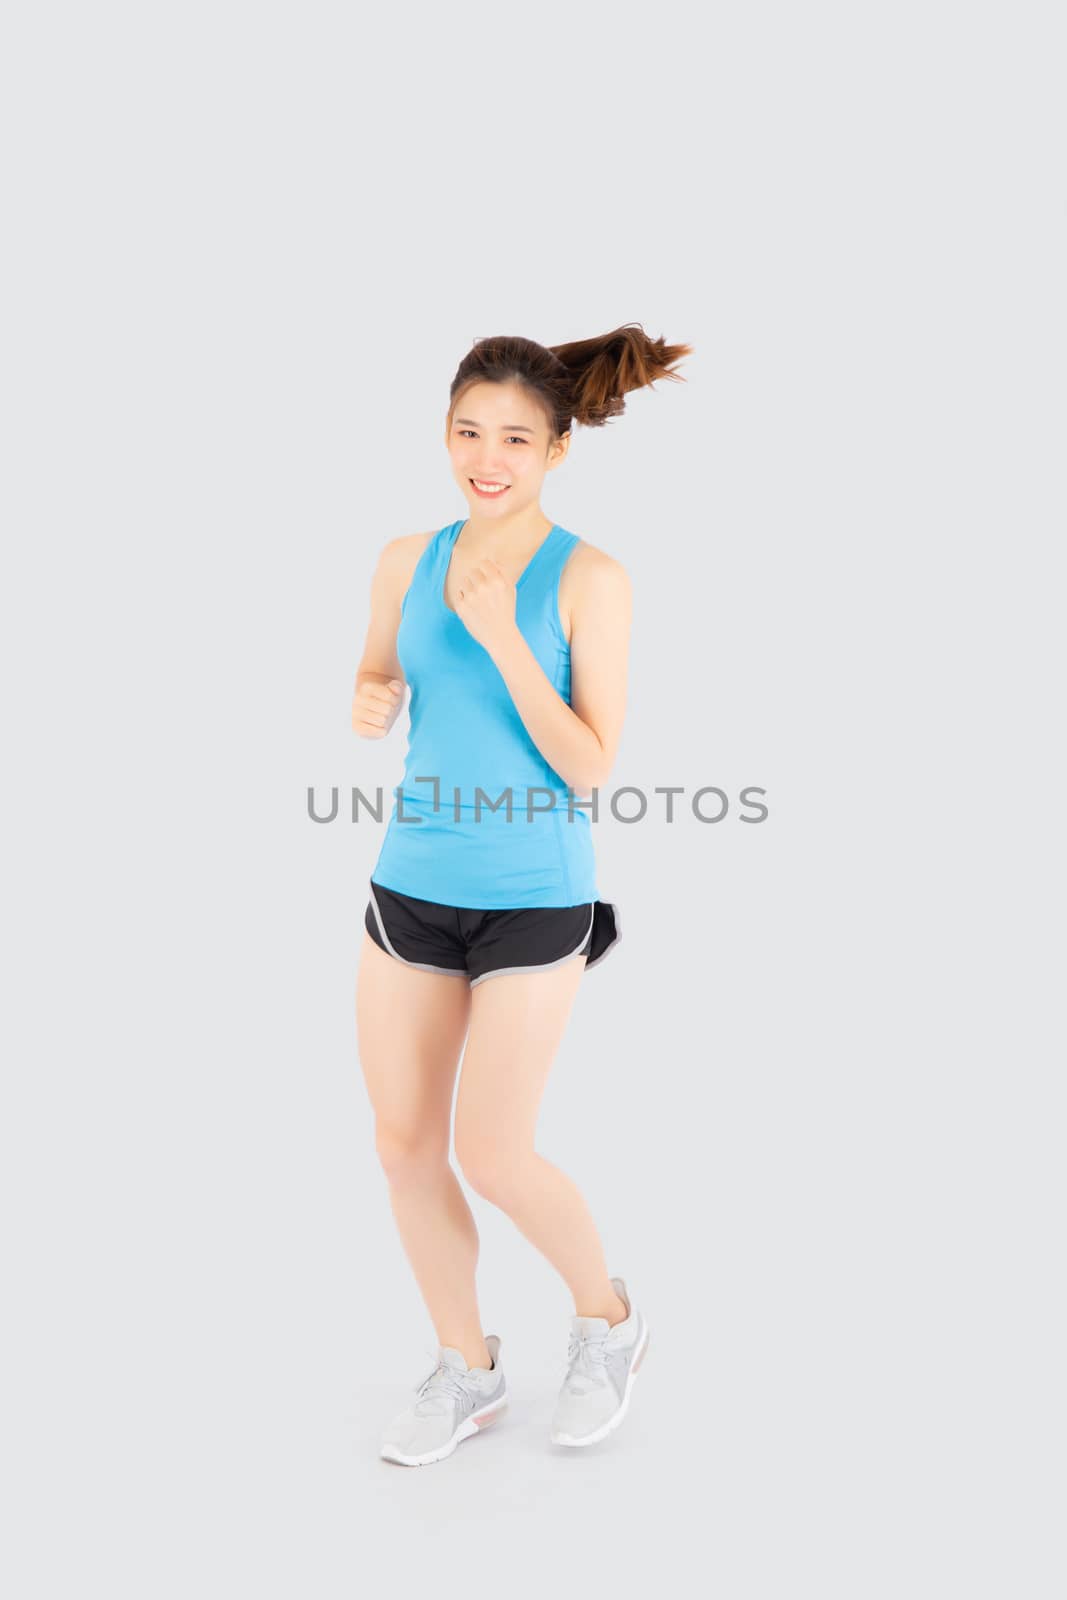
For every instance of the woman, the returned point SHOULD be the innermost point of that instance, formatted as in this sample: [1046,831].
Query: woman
[513,634]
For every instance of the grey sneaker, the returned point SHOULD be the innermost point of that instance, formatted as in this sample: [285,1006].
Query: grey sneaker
[602,1363]
[454,1402]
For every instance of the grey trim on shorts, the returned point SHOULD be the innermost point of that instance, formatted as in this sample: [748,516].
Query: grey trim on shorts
[610,947]
[423,966]
[545,966]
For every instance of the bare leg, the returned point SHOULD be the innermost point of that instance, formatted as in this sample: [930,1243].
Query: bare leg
[517,1021]
[410,1027]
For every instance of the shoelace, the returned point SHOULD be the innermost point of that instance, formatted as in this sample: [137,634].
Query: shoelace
[586,1362]
[444,1382]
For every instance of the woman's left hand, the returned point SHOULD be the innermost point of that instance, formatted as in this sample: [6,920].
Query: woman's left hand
[485,601]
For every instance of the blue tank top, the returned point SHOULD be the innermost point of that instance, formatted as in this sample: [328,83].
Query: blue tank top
[444,842]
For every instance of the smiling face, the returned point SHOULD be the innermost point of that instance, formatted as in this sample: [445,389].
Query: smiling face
[498,434]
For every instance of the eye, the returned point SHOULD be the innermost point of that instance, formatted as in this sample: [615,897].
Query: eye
[470,431]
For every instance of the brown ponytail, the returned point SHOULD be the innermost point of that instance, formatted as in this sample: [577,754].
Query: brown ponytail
[584,381]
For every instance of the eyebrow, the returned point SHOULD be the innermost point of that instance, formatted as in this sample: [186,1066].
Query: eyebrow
[508,427]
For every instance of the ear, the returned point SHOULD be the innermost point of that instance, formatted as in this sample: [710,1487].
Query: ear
[558,451]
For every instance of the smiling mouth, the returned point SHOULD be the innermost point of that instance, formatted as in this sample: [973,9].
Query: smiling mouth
[489,488]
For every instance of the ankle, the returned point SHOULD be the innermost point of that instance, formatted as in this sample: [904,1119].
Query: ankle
[613,1309]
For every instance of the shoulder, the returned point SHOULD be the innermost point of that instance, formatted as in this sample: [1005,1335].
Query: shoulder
[405,549]
[597,574]
[398,558]
[593,581]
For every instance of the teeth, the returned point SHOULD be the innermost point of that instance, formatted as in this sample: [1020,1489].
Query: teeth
[489,488]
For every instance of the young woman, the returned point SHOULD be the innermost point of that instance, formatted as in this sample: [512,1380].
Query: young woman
[513,634]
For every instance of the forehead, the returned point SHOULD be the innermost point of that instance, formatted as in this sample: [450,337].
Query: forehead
[499,404]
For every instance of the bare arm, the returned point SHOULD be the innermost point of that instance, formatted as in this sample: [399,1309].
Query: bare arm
[579,741]
[379,691]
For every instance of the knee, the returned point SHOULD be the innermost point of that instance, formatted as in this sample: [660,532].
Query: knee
[493,1173]
[410,1157]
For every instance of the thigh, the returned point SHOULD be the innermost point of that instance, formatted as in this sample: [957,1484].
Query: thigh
[410,1027]
[516,1024]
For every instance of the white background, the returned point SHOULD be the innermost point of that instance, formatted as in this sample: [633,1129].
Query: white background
[812,1096]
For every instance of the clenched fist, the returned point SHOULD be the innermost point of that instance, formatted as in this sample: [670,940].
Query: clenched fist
[485,602]
[375,706]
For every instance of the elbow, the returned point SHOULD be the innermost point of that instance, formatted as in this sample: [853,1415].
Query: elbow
[583,790]
[602,768]
[594,777]
[596,765]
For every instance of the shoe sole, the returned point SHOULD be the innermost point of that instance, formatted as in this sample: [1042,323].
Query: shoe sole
[613,1421]
[470,1425]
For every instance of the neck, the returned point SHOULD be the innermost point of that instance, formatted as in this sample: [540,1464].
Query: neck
[524,527]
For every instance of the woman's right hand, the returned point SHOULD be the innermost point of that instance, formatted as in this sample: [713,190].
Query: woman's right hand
[375,706]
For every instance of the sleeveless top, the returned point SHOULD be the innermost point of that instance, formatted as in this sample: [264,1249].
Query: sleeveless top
[445,841]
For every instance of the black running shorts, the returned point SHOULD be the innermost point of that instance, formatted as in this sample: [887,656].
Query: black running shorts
[484,944]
